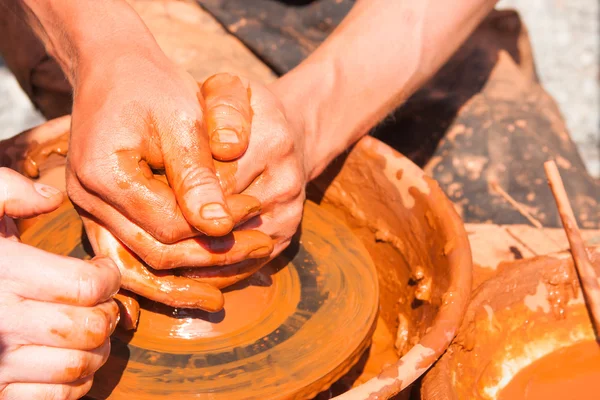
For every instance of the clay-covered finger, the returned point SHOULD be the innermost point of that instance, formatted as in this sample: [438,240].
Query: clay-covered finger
[189,167]
[136,195]
[44,364]
[129,309]
[34,141]
[49,391]
[224,276]
[201,251]
[243,207]
[39,275]
[161,287]
[61,325]
[22,198]
[228,115]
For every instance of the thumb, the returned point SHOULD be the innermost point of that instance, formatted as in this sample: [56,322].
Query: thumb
[22,198]
[191,174]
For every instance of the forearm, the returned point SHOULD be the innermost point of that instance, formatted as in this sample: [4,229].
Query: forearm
[381,54]
[82,32]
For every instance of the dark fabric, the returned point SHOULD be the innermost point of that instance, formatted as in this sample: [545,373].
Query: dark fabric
[282,33]
[483,119]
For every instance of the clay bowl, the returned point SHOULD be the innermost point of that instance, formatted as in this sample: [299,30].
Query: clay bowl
[420,249]
[530,309]
[415,238]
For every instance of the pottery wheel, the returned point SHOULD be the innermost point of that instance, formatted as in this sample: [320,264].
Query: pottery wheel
[289,331]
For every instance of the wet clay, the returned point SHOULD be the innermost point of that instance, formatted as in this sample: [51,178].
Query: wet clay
[530,309]
[40,152]
[569,373]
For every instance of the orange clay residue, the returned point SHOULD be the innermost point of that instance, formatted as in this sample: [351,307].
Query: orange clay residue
[569,373]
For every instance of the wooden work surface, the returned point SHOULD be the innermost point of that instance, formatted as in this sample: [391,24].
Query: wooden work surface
[492,244]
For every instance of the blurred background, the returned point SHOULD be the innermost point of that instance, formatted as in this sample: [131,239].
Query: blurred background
[566,43]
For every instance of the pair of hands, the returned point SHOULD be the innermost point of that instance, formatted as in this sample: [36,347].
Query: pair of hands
[60,310]
[141,117]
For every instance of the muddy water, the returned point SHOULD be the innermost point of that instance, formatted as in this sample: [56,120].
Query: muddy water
[569,373]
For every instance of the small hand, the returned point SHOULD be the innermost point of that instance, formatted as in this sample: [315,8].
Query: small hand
[57,314]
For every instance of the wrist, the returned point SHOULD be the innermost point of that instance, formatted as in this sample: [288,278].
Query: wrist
[80,34]
[309,94]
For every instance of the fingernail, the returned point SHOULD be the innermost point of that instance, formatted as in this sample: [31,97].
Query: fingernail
[45,190]
[226,136]
[260,252]
[213,211]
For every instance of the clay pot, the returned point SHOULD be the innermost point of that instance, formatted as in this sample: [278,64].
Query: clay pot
[419,247]
[530,309]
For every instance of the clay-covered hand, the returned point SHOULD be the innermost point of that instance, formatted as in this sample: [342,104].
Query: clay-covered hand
[122,136]
[29,151]
[273,170]
[138,115]
[56,312]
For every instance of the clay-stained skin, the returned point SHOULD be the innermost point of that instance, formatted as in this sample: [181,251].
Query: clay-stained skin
[129,309]
[569,373]
[227,103]
[40,152]
[164,288]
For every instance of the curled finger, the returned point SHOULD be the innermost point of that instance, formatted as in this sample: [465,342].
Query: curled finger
[48,391]
[228,115]
[58,279]
[201,251]
[61,325]
[164,288]
[43,364]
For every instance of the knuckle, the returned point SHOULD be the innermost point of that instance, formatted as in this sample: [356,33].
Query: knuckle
[169,231]
[283,142]
[199,178]
[86,174]
[291,184]
[97,328]
[158,259]
[88,289]
[77,367]
[58,392]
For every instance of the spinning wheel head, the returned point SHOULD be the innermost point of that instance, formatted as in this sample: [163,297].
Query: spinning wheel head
[289,331]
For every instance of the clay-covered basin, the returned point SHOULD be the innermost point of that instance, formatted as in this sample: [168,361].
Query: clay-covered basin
[532,309]
[420,249]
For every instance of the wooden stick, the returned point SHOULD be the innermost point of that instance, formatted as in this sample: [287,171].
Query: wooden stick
[583,266]
[518,206]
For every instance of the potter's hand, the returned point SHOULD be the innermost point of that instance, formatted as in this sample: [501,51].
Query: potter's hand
[143,115]
[56,313]
[272,170]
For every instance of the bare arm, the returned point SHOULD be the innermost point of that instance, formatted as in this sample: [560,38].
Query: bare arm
[80,32]
[381,54]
